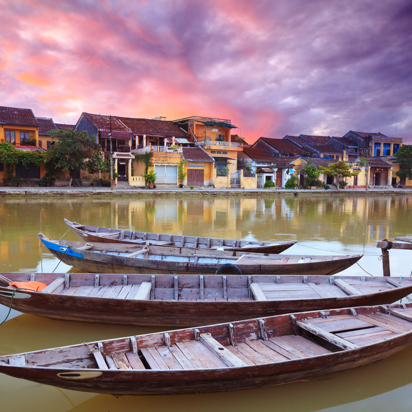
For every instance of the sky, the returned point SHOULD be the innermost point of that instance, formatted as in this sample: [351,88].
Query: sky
[273,67]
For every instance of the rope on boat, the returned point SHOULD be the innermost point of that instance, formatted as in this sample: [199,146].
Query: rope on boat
[364,269]
[11,303]
[64,234]
[59,259]
[332,251]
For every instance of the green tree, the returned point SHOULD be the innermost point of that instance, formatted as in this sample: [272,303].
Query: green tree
[145,158]
[338,169]
[312,174]
[76,151]
[10,157]
[404,158]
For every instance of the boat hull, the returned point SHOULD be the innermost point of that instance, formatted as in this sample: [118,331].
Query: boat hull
[176,314]
[172,382]
[92,262]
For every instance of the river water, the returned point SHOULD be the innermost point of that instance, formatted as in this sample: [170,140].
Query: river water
[322,225]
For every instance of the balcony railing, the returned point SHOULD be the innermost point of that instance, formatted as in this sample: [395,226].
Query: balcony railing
[156,149]
[206,143]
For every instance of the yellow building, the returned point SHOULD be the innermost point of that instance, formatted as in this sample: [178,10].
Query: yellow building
[19,127]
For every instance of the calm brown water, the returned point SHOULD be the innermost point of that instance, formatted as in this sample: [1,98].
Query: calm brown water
[321,225]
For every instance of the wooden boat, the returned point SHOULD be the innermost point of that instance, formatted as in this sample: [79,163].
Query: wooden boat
[98,234]
[223,357]
[404,239]
[188,300]
[126,258]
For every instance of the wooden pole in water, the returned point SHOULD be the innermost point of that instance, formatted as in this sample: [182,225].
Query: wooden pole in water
[385,257]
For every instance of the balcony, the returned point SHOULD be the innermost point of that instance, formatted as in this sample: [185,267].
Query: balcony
[218,143]
[156,149]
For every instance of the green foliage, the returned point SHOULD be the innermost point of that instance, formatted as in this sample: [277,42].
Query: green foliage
[312,175]
[338,169]
[150,177]
[192,187]
[404,158]
[269,183]
[292,182]
[180,171]
[11,156]
[15,180]
[145,158]
[363,161]
[342,184]
[76,151]
[45,181]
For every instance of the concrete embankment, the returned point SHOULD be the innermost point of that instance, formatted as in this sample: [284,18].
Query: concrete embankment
[171,191]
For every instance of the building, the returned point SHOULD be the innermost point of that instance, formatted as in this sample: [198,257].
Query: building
[214,136]
[279,147]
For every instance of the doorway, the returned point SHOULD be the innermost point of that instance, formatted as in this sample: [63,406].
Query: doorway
[122,171]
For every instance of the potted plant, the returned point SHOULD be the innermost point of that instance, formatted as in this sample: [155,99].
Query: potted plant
[181,174]
[150,178]
[15,180]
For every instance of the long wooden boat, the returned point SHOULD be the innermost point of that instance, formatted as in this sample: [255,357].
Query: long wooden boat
[126,258]
[223,357]
[189,300]
[98,234]
[404,239]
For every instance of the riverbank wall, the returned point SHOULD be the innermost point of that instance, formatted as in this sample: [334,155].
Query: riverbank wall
[158,192]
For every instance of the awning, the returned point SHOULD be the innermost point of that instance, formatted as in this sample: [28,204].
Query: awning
[265,170]
[116,134]
[218,124]
[180,140]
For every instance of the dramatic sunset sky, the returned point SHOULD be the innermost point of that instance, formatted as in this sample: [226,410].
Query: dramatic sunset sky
[273,67]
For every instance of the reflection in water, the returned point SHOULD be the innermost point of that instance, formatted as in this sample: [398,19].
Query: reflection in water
[322,225]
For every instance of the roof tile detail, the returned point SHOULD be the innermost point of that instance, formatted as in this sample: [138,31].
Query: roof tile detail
[46,125]
[258,154]
[13,115]
[196,154]
[284,146]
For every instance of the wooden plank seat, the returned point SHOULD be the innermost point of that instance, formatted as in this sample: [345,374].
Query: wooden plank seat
[257,292]
[227,357]
[56,284]
[350,290]
[144,291]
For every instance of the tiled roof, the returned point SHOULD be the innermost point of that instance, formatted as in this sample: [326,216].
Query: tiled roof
[151,127]
[344,141]
[258,154]
[168,128]
[196,154]
[103,122]
[316,139]
[13,115]
[62,126]
[325,148]
[283,162]
[139,126]
[284,146]
[297,139]
[320,161]
[378,162]
[265,170]
[365,134]
[46,125]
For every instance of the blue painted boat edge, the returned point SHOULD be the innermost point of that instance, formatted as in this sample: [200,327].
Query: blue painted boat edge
[61,249]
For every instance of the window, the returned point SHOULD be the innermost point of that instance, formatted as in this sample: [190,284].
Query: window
[40,144]
[50,144]
[24,137]
[10,136]
[377,150]
[395,149]
[220,137]
[386,149]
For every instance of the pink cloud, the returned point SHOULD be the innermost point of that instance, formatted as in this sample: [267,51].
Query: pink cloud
[273,68]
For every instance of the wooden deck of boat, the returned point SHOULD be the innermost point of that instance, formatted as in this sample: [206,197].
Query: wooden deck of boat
[217,288]
[315,337]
